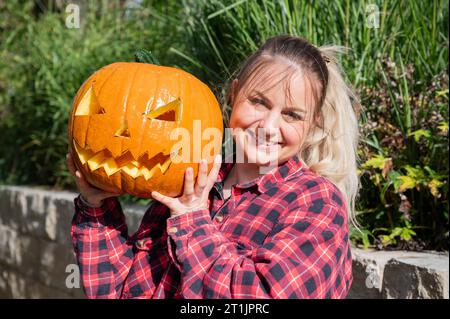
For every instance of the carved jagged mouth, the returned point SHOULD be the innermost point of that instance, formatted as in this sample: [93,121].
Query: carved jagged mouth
[125,163]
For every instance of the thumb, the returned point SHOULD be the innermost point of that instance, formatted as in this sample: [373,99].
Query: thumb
[168,201]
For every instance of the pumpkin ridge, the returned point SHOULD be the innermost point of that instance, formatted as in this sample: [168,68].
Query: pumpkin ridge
[127,94]
[98,94]
[107,77]
[149,107]
[117,97]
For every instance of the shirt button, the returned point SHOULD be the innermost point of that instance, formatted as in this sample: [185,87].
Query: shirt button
[173,230]
[219,218]
[140,244]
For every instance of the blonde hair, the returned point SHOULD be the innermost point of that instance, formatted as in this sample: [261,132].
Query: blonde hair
[331,150]
[330,147]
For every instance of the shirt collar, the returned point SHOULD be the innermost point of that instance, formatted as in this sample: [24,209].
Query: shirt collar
[275,176]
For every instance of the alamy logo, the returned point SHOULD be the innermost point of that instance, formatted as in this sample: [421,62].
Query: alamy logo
[73,279]
[73,17]
[372,280]
[372,16]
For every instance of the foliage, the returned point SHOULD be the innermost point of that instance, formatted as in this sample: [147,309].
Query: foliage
[43,65]
[399,69]
[398,64]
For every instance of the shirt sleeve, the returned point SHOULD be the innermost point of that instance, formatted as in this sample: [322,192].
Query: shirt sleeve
[100,241]
[303,257]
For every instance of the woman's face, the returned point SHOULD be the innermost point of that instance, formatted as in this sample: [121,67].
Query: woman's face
[269,125]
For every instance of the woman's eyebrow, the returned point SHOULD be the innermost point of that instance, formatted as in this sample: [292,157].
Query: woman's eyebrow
[294,109]
[267,100]
[261,95]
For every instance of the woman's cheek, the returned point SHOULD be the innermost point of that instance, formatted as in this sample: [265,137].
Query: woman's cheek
[293,135]
[243,117]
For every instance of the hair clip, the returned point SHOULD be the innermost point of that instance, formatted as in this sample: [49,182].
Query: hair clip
[326,59]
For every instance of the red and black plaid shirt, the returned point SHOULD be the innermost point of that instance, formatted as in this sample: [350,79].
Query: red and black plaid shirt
[284,235]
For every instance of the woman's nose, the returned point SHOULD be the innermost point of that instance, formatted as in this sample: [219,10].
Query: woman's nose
[270,120]
[269,125]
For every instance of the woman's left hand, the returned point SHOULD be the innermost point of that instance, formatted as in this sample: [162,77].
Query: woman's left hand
[194,197]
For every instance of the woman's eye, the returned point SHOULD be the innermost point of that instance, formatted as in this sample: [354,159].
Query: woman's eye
[256,101]
[293,116]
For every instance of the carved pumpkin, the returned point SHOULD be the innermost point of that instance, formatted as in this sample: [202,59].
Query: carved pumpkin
[121,121]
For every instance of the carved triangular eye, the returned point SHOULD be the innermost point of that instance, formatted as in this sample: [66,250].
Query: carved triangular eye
[89,104]
[169,112]
[167,116]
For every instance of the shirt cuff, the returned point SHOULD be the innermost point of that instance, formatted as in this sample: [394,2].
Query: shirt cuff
[179,230]
[96,212]
[184,224]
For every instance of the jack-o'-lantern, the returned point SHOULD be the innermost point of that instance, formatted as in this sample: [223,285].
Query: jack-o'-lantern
[122,124]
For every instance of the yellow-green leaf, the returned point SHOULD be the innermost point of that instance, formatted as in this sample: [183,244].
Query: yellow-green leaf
[442,93]
[443,127]
[377,161]
[419,133]
[434,185]
[407,183]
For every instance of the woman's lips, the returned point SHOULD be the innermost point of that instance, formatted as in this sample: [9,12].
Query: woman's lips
[261,140]
[262,143]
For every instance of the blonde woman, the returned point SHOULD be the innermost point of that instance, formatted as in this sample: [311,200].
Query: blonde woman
[273,223]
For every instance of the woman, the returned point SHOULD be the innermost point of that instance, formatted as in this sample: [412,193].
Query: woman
[272,224]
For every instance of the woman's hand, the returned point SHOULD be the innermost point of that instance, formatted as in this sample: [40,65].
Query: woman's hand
[92,196]
[193,198]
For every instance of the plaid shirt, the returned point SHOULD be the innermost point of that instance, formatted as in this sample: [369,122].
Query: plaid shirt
[283,235]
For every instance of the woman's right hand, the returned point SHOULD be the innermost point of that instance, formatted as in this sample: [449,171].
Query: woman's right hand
[91,195]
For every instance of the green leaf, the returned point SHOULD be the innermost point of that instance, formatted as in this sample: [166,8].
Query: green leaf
[396,232]
[407,233]
[385,239]
[392,176]
[414,172]
[442,93]
[365,240]
[420,133]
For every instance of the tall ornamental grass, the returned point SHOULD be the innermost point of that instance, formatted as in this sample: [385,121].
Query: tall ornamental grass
[398,63]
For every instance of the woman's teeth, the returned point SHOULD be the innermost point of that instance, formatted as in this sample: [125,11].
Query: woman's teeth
[267,144]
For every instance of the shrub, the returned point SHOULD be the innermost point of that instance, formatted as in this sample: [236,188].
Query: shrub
[398,68]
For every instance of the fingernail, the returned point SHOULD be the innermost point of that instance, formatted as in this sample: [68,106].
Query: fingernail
[218,158]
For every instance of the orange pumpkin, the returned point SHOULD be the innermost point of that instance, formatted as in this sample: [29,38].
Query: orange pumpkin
[121,123]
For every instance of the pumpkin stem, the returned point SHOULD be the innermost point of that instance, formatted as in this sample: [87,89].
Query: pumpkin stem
[144,56]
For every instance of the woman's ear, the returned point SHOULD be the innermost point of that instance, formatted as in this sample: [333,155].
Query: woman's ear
[318,119]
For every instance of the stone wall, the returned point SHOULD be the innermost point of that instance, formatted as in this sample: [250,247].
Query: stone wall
[37,261]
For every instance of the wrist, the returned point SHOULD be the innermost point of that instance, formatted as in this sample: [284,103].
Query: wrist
[90,203]
[186,211]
